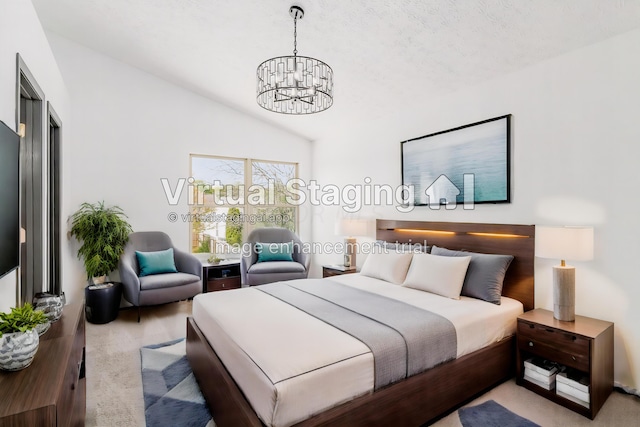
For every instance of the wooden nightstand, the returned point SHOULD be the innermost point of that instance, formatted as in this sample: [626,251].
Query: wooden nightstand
[336,270]
[585,345]
[221,277]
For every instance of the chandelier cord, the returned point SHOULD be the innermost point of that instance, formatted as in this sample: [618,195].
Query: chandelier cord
[295,35]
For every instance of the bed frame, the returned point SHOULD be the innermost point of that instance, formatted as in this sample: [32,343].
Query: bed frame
[423,397]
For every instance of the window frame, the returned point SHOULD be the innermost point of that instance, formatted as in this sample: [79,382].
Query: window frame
[245,207]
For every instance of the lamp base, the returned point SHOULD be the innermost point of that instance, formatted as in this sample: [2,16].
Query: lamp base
[564,293]
[350,253]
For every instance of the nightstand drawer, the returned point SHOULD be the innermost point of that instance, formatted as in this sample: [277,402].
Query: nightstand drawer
[576,360]
[223,284]
[569,342]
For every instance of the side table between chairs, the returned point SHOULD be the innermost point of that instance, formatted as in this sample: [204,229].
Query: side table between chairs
[102,302]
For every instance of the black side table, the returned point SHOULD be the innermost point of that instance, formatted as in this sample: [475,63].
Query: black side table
[102,302]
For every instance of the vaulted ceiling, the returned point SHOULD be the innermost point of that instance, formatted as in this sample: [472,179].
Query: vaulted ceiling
[383,52]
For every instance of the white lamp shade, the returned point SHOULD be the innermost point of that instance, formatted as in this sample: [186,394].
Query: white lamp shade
[352,227]
[565,243]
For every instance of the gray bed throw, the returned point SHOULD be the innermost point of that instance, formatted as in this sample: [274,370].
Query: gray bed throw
[403,339]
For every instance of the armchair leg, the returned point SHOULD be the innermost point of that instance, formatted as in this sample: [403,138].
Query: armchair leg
[138,314]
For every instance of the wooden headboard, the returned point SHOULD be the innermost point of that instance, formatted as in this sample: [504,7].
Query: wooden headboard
[503,239]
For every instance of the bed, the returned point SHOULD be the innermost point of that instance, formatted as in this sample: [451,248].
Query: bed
[295,369]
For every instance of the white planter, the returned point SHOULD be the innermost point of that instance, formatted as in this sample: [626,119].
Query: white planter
[43,327]
[51,305]
[98,280]
[18,349]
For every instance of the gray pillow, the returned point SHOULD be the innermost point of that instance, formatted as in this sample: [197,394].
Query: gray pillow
[485,274]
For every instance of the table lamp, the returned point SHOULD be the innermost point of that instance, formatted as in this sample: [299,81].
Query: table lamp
[350,228]
[564,243]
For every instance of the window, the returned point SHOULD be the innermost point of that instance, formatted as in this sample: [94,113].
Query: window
[232,196]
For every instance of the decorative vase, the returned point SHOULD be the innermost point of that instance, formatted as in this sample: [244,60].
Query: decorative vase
[50,304]
[17,350]
[43,327]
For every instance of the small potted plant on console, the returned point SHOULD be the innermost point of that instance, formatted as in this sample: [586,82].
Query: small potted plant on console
[19,338]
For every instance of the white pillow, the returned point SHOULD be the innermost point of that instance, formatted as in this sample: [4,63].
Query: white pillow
[437,274]
[391,267]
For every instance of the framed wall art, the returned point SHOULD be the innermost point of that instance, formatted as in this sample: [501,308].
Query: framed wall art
[467,164]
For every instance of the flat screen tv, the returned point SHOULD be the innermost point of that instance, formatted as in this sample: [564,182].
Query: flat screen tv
[9,199]
[466,165]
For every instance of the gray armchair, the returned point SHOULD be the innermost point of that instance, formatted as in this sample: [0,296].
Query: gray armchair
[255,273]
[158,288]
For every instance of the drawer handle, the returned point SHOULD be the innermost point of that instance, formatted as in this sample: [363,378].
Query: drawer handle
[531,326]
[574,358]
[549,330]
[73,386]
[530,343]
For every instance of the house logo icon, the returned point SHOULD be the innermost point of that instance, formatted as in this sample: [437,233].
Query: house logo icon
[443,192]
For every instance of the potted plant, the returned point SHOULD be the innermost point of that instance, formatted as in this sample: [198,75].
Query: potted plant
[19,336]
[103,232]
[214,260]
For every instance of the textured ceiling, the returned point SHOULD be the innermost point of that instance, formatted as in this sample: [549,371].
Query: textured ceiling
[383,52]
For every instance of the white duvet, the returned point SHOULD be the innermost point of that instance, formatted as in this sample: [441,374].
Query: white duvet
[291,366]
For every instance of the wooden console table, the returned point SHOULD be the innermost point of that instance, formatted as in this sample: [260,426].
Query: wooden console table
[52,391]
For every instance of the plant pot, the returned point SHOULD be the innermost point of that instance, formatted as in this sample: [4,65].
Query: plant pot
[18,349]
[99,280]
[102,302]
[43,327]
[49,303]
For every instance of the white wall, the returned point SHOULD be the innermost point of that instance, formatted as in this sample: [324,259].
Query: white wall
[575,156]
[21,32]
[132,129]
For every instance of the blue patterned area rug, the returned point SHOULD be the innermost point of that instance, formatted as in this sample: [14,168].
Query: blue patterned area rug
[492,414]
[172,397]
[171,394]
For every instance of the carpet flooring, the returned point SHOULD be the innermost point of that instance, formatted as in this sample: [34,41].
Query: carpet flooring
[114,380]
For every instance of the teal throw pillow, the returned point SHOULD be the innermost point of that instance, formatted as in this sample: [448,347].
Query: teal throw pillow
[274,251]
[156,262]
